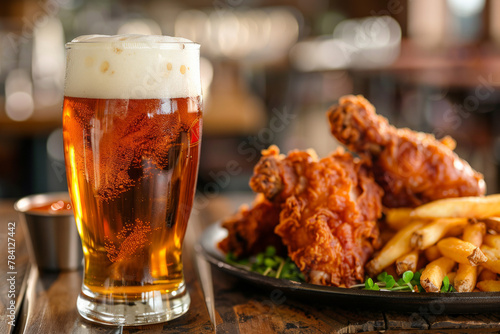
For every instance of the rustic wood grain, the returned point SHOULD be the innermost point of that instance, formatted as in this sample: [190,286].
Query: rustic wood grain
[257,317]
[356,321]
[469,321]
[22,263]
[440,331]
[404,321]
[225,304]
[246,308]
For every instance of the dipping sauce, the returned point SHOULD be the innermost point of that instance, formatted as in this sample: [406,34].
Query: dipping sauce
[55,208]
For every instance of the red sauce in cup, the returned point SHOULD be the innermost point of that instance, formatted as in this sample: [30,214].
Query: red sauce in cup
[58,207]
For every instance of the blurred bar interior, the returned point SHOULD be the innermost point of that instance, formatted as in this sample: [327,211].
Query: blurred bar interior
[270,69]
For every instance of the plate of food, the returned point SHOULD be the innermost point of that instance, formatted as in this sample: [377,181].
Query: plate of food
[393,221]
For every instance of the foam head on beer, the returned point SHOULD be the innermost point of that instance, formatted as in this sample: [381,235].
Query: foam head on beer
[132,67]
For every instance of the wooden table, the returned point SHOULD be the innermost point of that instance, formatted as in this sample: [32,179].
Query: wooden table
[219,302]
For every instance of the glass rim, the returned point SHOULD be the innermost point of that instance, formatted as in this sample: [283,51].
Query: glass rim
[170,45]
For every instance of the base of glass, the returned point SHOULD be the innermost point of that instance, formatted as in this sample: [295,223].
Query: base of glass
[155,308]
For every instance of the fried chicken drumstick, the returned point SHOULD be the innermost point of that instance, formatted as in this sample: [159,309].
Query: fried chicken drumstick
[251,230]
[329,212]
[413,168]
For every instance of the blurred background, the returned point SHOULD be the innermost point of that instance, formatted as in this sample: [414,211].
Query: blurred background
[270,70]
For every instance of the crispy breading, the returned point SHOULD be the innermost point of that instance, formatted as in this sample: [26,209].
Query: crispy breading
[412,167]
[328,220]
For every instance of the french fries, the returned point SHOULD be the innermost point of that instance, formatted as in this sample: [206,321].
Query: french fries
[407,262]
[432,253]
[474,233]
[451,276]
[492,241]
[434,231]
[455,237]
[466,278]
[491,252]
[398,218]
[393,249]
[487,275]
[461,207]
[461,251]
[489,285]
[492,264]
[492,223]
[432,276]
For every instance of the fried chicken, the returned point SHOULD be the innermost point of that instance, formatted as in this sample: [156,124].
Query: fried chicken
[278,177]
[413,168]
[251,230]
[329,212]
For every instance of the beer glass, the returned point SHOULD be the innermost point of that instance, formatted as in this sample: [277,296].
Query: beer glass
[132,127]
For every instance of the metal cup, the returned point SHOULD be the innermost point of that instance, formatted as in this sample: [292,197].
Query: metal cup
[54,237]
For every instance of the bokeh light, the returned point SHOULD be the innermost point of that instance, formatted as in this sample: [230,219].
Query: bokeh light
[19,104]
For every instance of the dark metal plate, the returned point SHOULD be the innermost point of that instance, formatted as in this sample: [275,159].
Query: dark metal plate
[420,303]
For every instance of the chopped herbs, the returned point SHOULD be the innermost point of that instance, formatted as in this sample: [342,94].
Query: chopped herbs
[447,287]
[408,282]
[269,264]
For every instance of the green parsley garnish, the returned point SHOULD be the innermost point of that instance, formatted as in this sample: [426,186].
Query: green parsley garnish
[268,264]
[409,281]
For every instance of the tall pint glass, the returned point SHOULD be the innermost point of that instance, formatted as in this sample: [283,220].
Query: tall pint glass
[132,128]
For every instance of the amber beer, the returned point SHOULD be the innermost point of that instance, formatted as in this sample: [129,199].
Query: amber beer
[132,161]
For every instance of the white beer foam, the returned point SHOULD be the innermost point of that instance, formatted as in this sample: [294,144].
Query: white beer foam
[132,67]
